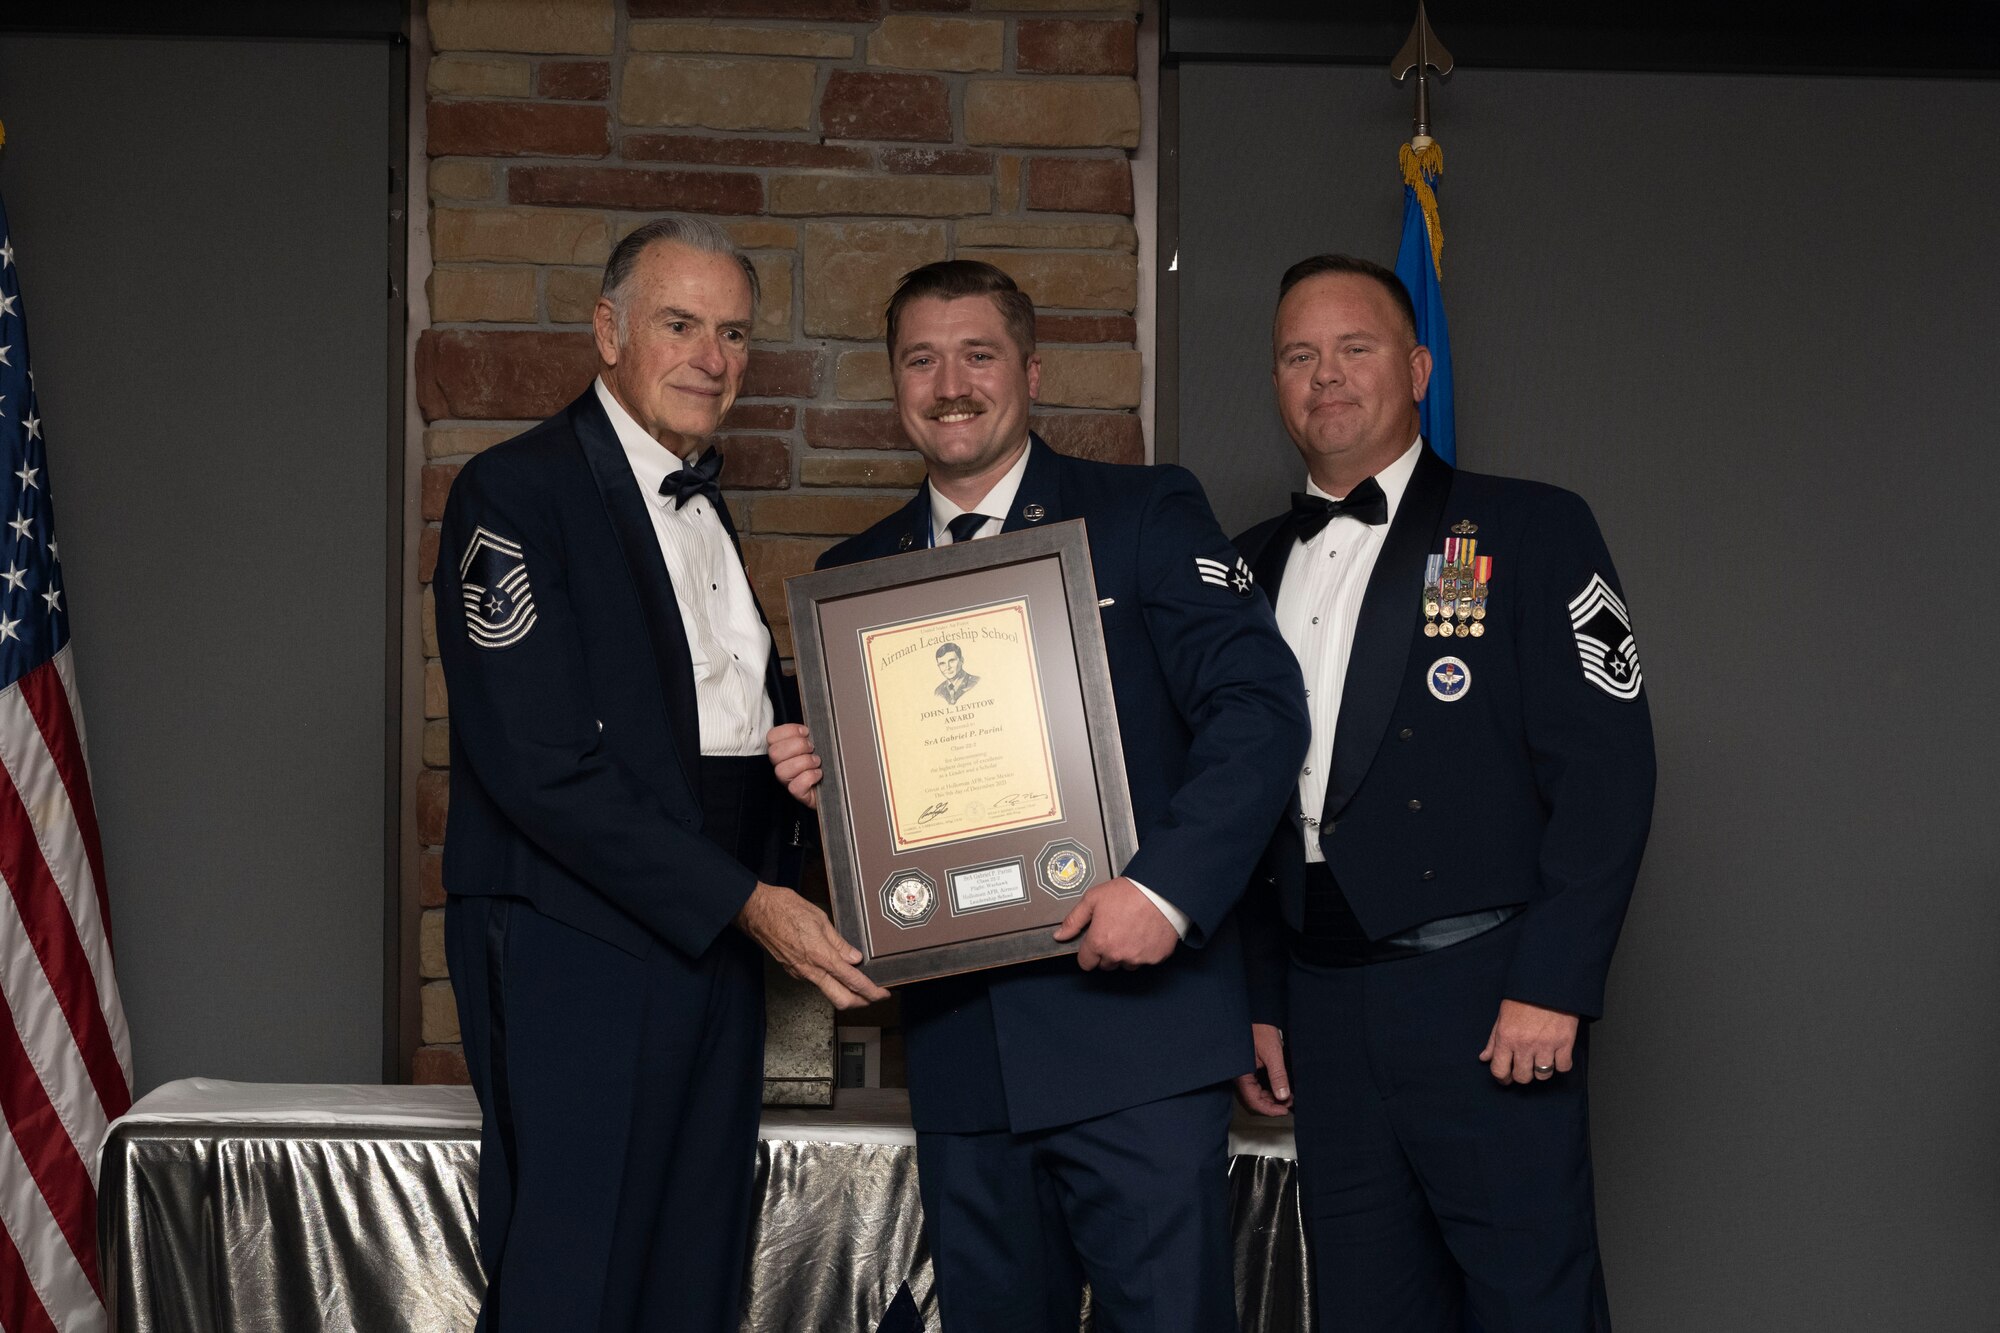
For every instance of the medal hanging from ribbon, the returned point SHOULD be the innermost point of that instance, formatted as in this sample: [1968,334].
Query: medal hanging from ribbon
[1433,594]
[1448,586]
[1455,591]
[1462,582]
[1482,576]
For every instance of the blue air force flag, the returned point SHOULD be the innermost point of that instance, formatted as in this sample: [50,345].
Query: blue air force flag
[1419,263]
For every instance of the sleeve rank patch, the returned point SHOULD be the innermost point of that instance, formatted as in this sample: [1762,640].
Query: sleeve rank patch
[1235,577]
[499,604]
[1604,640]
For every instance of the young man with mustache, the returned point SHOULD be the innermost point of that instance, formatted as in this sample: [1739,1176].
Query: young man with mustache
[1449,884]
[1072,1115]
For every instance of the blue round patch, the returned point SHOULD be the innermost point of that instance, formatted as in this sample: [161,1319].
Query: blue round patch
[1449,679]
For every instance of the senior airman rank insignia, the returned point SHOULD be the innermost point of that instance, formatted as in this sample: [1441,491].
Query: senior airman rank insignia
[493,580]
[1237,578]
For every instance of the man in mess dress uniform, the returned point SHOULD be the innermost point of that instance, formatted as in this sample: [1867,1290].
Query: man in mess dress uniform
[1436,914]
[615,828]
[1072,1115]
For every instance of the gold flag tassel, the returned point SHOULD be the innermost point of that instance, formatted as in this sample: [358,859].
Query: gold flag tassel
[3,134]
[1421,166]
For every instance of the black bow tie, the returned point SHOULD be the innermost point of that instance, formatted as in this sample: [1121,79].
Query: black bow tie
[696,479]
[1311,513]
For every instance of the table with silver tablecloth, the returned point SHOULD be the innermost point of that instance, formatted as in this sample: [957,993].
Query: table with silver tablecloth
[227,1206]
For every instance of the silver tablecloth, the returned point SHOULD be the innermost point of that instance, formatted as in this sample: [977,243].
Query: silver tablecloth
[300,1207]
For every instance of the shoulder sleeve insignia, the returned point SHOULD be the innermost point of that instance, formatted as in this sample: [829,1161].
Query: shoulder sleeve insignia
[493,579]
[1604,639]
[1236,578]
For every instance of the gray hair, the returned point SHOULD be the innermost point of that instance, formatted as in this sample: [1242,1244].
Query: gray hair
[695,233]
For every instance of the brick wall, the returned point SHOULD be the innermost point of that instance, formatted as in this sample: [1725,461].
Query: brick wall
[842,142]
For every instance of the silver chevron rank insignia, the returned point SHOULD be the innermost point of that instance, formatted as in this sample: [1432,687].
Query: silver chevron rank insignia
[493,580]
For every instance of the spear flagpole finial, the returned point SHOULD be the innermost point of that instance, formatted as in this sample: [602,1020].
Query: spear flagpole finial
[1422,53]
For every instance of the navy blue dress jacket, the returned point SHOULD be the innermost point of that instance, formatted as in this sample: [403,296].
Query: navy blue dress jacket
[1529,781]
[1212,713]
[575,741]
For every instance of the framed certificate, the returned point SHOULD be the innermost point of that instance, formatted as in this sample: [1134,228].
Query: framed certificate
[973,781]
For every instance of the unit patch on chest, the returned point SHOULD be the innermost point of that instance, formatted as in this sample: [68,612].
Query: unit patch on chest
[1448,678]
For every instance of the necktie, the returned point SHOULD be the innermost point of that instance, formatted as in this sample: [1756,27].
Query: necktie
[700,479]
[1311,513]
[963,528]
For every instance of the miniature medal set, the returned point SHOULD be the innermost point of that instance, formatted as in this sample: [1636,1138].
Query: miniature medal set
[1455,585]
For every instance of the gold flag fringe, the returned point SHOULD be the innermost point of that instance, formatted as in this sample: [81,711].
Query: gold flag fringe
[1421,166]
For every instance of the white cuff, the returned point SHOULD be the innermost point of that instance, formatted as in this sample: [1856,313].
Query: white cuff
[1174,915]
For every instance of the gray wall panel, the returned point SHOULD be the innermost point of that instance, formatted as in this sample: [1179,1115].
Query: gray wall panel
[1750,319]
[200,231]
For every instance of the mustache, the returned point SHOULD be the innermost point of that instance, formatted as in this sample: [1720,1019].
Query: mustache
[945,407]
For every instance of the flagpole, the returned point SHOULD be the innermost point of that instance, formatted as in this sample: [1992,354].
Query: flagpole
[1420,256]
[1422,52]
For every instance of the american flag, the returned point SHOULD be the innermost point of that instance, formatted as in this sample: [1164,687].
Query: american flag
[65,1057]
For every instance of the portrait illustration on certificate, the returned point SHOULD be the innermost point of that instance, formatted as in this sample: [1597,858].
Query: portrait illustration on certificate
[960,727]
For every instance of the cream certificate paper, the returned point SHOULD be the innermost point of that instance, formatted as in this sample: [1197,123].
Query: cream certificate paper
[959,725]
